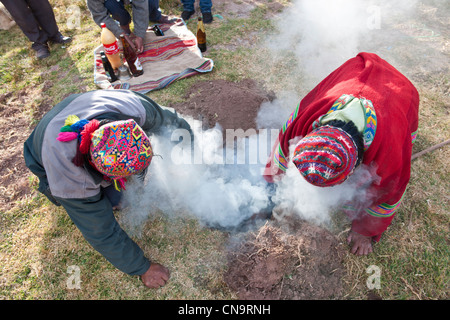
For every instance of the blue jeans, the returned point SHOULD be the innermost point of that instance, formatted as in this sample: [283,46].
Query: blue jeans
[205,5]
[119,13]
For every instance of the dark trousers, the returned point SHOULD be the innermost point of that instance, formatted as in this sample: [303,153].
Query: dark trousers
[119,13]
[35,18]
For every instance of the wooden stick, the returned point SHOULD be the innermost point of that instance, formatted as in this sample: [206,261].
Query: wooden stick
[418,154]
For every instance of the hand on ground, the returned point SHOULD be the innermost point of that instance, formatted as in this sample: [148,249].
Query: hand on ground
[156,276]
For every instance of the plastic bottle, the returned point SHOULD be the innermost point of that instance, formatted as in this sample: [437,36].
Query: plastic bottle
[111,47]
[201,35]
[132,58]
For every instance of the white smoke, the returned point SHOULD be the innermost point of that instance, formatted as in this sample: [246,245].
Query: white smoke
[205,182]
[208,183]
[323,34]
[294,195]
[273,114]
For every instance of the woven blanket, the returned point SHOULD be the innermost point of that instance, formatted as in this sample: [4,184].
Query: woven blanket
[166,58]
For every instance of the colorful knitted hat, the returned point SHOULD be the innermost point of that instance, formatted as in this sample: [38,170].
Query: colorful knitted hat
[118,149]
[326,156]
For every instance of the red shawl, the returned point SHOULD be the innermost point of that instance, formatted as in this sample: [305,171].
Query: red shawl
[396,103]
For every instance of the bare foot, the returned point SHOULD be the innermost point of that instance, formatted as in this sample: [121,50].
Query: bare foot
[362,245]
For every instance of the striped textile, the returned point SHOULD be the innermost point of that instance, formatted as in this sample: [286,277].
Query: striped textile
[414,136]
[382,210]
[165,59]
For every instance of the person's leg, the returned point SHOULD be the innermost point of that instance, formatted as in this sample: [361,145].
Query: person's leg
[205,7]
[25,19]
[43,12]
[154,13]
[118,12]
[188,5]
[188,9]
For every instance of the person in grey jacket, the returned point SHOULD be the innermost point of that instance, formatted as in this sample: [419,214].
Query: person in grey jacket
[110,11]
[85,186]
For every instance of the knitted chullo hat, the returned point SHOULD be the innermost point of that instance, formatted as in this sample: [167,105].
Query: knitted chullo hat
[117,149]
[326,156]
[120,149]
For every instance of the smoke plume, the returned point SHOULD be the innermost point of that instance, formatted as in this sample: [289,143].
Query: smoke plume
[323,34]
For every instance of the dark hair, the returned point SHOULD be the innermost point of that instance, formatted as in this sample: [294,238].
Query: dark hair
[352,130]
[104,122]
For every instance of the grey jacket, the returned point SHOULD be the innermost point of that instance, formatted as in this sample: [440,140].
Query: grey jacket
[140,16]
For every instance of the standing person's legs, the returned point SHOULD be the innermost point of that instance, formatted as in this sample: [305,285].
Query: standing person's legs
[155,14]
[188,5]
[37,21]
[43,12]
[26,21]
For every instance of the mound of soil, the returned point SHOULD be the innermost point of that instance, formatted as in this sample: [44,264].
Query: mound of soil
[286,262]
[231,105]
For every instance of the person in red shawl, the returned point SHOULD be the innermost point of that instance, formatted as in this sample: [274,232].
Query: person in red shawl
[363,113]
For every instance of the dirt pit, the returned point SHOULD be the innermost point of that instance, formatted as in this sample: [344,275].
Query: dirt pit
[231,105]
[286,260]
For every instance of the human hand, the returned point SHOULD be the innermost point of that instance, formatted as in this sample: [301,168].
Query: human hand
[136,42]
[130,39]
[362,245]
[139,44]
[156,276]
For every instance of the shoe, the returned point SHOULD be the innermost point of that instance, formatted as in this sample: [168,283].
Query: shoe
[185,15]
[59,38]
[42,50]
[207,17]
[165,19]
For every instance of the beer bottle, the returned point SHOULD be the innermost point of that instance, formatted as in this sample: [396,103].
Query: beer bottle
[108,68]
[201,35]
[157,30]
[111,47]
[132,58]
